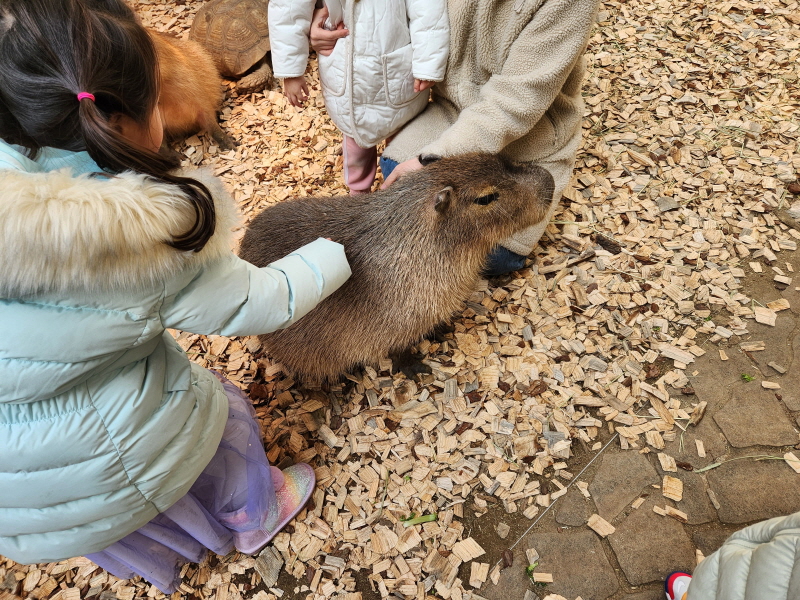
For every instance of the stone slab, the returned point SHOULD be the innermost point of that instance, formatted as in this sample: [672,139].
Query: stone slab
[709,540]
[648,595]
[572,509]
[619,480]
[749,490]
[685,450]
[755,418]
[695,503]
[790,382]
[649,547]
[560,554]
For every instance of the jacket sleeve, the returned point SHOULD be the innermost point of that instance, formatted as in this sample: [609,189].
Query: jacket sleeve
[289,26]
[233,297]
[513,100]
[430,38]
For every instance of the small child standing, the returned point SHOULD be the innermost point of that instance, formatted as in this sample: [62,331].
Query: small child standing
[374,80]
[113,445]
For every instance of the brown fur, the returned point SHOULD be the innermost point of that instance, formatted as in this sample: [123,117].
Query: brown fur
[414,263]
[191,90]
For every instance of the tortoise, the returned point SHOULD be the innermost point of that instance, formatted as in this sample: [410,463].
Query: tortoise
[236,34]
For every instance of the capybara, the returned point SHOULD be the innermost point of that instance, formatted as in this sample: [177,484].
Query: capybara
[191,90]
[416,251]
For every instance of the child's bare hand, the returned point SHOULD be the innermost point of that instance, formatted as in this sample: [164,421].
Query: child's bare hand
[296,90]
[421,86]
[322,40]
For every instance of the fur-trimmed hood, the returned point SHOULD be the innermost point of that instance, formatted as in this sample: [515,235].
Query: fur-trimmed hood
[61,232]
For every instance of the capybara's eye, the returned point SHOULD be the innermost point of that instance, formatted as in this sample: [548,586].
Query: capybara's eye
[488,199]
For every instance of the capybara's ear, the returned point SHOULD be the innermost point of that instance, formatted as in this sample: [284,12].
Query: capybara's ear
[427,159]
[442,202]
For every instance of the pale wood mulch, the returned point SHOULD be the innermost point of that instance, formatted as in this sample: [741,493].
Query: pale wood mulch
[681,189]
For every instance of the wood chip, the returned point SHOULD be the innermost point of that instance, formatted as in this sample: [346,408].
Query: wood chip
[676,514]
[667,463]
[672,488]
[752,346]
[765,315]
[600,526]
[478,574]
[701,449]
[467,549]
[792,460]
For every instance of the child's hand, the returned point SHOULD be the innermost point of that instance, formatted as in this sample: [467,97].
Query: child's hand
[421,86]
[296,90]
[322,40]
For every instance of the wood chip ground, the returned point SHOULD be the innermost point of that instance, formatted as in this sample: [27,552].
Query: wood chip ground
[679,192]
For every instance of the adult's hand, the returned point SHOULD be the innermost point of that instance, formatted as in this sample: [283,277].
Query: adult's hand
[323,40]
[408,166]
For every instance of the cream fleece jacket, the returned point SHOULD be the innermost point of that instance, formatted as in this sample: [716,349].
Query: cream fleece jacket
[513,86]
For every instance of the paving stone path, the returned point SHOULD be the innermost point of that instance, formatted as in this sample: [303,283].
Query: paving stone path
[742,420]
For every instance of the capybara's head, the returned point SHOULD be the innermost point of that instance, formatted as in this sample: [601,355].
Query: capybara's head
[481,193]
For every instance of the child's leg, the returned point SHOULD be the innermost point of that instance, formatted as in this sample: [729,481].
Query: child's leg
[253,499]
[360,166]
[238,500]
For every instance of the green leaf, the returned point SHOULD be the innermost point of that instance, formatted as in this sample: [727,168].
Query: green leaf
[411,520]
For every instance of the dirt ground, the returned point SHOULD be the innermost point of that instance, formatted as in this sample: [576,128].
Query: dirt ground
[683,193]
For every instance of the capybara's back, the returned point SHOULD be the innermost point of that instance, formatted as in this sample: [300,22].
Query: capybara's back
[416,251]
[191,89]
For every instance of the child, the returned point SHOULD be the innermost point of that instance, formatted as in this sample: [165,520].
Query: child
[112,444]
[373,81]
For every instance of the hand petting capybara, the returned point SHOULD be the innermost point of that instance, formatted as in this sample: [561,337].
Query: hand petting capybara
[416,251]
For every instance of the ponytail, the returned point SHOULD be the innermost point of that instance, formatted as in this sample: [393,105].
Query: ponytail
[52,50]
[114,153]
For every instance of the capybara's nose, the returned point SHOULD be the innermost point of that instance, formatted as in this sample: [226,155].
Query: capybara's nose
[537,177]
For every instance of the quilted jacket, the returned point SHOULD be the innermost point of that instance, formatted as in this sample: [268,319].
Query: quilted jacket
[368,80]
[760,562]
[104,421]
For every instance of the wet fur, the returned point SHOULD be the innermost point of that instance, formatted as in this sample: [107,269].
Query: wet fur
[191,90]
[413,265]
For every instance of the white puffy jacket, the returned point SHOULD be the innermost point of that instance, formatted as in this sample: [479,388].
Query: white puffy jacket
[368,80]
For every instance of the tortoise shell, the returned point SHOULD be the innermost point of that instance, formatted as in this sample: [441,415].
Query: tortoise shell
[235,32]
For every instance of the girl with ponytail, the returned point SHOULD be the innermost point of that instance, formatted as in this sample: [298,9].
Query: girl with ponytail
[113,444]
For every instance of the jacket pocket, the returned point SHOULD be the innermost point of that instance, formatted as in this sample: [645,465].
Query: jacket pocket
[398,77]
[333,69]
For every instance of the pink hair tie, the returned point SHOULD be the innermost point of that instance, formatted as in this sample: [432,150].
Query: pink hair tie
[84,95]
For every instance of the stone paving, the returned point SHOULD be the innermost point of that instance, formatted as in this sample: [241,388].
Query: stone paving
[742,420]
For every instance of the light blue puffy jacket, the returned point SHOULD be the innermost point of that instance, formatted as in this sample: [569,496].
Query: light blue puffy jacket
[104,421]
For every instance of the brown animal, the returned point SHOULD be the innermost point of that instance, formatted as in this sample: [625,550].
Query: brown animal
[416,251]
[191,90]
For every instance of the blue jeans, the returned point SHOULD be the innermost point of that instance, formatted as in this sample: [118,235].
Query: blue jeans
[387,166]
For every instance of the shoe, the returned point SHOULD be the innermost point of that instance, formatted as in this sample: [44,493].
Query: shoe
[501,261]
[676,585]
[293,488]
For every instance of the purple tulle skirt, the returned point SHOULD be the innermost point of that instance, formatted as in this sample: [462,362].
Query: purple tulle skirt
[225,507]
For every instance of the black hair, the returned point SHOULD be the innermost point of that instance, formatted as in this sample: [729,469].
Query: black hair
[51,50]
